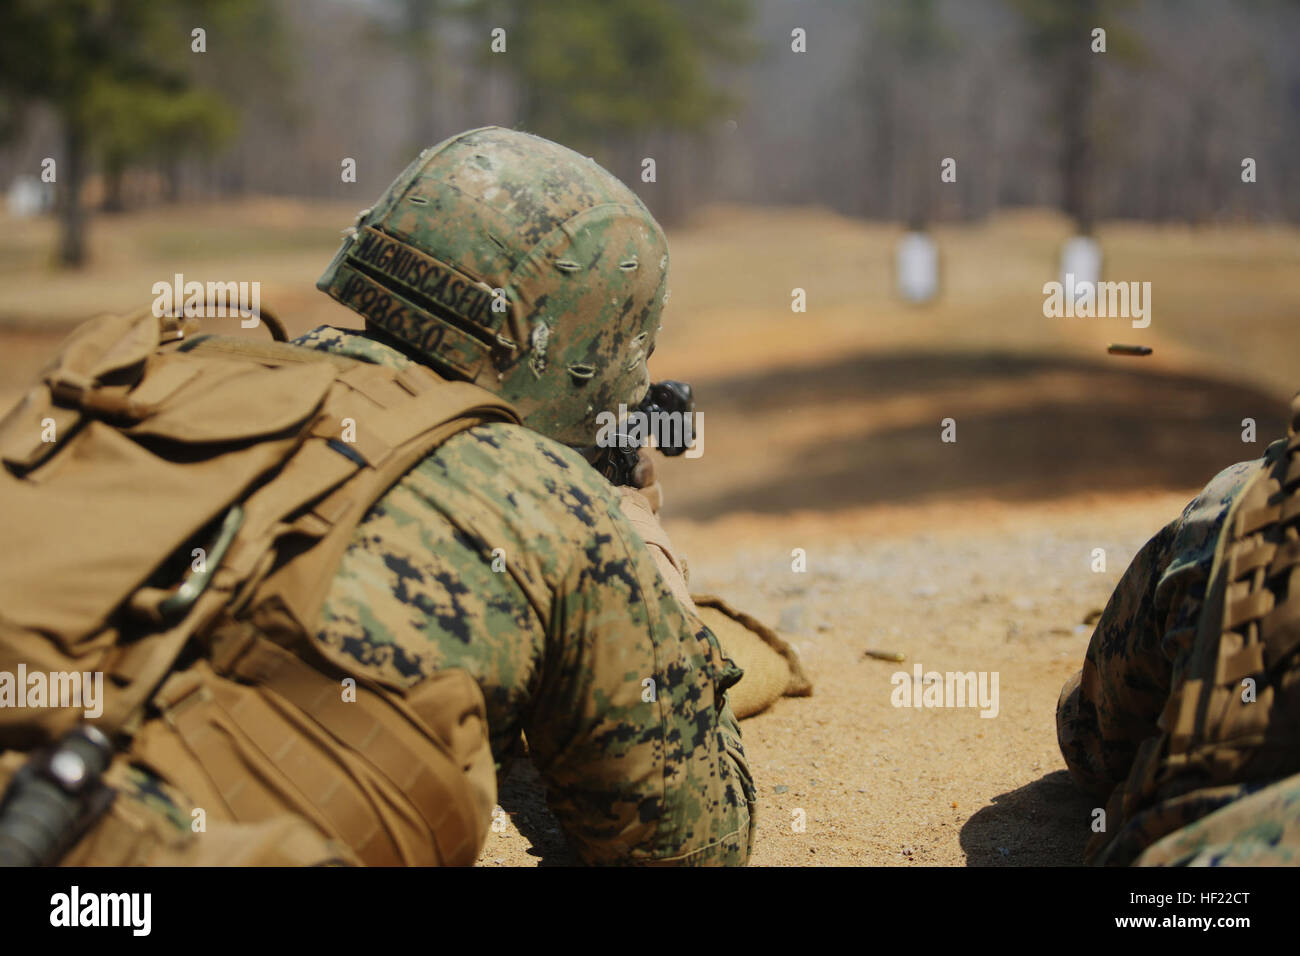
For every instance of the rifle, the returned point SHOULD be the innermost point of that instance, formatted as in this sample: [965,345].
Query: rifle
[664,399]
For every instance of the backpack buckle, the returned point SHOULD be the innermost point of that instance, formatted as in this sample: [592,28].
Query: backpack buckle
[196,582]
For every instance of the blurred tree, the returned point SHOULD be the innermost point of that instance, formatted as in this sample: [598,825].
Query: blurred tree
[133,122]
[422,58]
[120,75]
[911,47]
[602,77]
[1058,37]
[588,72]
[413,33]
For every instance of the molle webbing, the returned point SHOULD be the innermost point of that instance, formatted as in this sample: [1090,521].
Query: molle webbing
[1236,718]
[383,775]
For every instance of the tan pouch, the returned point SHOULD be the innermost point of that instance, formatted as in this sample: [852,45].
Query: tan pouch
[772,668]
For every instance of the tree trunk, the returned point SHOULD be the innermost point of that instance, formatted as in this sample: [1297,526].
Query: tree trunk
[171,173]
[880,187]
[421,60]
[114,170]
[72,216]
[1076,114]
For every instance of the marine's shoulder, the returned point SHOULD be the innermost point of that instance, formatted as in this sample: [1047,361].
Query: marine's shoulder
[521,472]
[508,491]
[352,343]
[514,460]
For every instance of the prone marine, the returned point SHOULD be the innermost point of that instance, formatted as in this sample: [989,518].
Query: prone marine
[1185,717]
[334,583]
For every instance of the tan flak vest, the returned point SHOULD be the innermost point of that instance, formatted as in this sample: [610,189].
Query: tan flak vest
[163,494]
[1236,718]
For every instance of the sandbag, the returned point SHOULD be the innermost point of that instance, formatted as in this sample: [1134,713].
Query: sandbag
[772,668]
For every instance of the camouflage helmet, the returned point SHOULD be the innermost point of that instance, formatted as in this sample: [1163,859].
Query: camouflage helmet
[510,261]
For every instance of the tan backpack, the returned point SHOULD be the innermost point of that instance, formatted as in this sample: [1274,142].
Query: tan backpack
[155,484]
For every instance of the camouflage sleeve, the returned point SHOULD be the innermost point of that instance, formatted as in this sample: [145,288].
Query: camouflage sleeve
[507,555]
[1143,639]
[1111,705]
[631,728]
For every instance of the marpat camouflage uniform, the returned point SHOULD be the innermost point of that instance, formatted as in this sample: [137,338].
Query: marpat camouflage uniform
[1138,656]
[563,638]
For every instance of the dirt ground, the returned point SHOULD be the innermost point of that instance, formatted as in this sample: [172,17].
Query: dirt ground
[822,433]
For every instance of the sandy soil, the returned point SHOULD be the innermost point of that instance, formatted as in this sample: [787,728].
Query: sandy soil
[981,586]
[823,433]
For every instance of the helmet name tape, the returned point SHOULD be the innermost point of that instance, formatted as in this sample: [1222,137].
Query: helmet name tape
[391,312]
[447,287]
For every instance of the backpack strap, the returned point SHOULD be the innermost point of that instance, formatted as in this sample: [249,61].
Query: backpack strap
[371,431]
[368,435]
